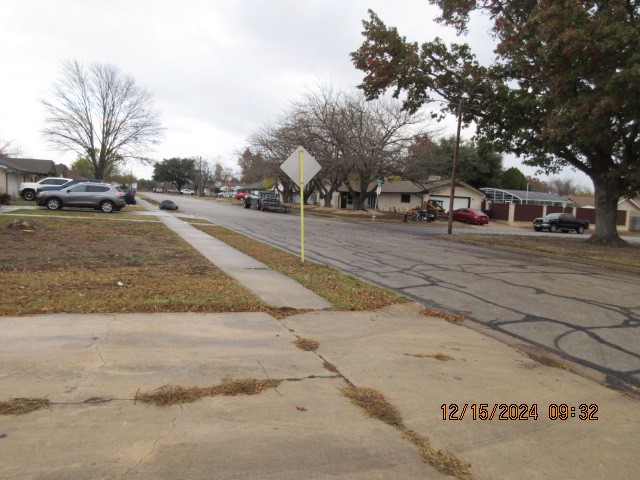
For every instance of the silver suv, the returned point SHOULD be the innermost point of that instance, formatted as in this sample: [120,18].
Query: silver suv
[84,195]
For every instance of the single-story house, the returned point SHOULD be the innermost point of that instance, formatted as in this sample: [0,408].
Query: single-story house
[626,204]
[3,179]
[403,195]
[19,170]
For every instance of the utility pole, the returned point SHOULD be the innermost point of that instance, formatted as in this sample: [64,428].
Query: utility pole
[454,172]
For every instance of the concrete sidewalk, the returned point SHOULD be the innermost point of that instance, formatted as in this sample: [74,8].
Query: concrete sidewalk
[92,367]
[272,287]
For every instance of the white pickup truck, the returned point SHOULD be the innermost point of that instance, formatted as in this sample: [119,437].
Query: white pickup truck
[28,190]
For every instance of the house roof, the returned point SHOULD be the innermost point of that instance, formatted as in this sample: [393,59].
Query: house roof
[30,165]
[252,186]
[582,201]
[499,195]
[407,186]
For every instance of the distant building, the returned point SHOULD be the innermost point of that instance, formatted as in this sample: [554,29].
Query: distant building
[19,170]
[524,197]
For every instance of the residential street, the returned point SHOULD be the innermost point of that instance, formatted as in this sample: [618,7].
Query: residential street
[585,314]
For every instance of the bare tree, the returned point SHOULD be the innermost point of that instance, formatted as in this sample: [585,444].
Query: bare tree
[374,141]
[8,149]
[101,113]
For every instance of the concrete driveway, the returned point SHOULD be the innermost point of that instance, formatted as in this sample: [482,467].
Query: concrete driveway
[586,314]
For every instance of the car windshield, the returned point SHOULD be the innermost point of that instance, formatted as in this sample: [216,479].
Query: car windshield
[552,216]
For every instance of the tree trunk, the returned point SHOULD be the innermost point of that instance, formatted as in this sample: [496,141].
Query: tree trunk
[328,197]
[606,203]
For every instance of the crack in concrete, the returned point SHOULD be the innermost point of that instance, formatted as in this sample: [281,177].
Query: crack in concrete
[153,447]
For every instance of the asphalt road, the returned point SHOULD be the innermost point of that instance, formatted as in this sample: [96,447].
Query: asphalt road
[585,314]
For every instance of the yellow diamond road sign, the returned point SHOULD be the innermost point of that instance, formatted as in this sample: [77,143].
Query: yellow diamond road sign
[291,166]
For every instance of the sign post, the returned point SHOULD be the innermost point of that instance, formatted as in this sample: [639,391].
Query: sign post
[379,182]
[294,167]
[301,166]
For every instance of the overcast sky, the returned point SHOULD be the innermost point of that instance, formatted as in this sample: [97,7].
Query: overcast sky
[218,69]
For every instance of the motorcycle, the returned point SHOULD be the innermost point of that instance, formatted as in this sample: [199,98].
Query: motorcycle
[423,215]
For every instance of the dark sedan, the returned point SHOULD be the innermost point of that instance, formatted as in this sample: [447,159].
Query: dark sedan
[471,216]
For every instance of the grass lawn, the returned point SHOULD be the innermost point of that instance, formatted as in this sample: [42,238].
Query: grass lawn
[81,213]
[82,266]
[343,291]
[569,248]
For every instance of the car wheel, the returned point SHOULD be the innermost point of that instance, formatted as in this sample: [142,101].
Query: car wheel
[28,195]
[468,221]
[107,207]
[537,229]
[247,205]
[54,204]
[580,230]
[553,228]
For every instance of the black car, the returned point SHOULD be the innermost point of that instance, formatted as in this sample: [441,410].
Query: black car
[560,221]
[129,196]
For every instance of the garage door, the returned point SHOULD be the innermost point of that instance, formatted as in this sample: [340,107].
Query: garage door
[458,202]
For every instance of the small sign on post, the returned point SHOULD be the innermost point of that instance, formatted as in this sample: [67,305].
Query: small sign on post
[298,166]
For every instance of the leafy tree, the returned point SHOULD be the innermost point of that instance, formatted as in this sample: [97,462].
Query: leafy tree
[179,171]
[100,113]
[514,179]
[252,167]
[145,184]
[564,89]
[477,167]
[83,166]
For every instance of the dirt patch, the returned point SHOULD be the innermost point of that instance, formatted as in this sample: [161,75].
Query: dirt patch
[21,406]
[449,317]
[547,361]
[85,266]
[306,344]
[377,406]
[437,356]
[329,366]
[23,225]
[177,394]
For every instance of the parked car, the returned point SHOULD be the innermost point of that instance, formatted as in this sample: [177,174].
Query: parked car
[187,191]
[240,196]
[560,221]
[28,190]
[69,183]
[471,216]
[84,195]
[129,196]
[168,205]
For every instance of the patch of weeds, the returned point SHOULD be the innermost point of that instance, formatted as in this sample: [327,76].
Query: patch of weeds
[438,356]
[177,394]
[306,344]
[449,317]
[443,461]
[20,406]
[200,221]
[377,406]
[548,361]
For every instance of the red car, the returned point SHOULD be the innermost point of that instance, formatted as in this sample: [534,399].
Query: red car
[470,215]
[240,196]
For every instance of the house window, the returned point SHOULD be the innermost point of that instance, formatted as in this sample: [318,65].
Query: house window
[405,198]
